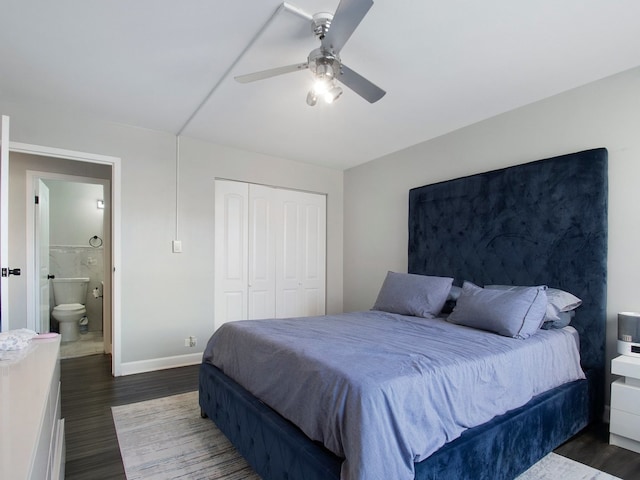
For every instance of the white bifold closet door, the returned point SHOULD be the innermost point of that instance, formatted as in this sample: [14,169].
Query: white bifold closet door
[270,252]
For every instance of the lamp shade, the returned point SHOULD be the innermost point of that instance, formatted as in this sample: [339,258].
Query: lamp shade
[629,327]
[629,333]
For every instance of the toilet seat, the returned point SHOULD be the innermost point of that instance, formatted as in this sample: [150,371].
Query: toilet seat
[68,312]
[69,308]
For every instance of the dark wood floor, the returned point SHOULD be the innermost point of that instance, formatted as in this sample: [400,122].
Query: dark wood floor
[592,448]
[89,391]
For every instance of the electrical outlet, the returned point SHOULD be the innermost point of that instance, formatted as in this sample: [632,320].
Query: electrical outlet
[193,341]
[187,342]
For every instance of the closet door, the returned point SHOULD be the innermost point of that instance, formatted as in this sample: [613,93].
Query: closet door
[270,249]
[231,251]
[301,254]
[262,253]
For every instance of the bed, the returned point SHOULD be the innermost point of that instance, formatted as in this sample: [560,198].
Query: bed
[543,222]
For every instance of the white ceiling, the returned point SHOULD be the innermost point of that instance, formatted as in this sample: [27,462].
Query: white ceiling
[444,64]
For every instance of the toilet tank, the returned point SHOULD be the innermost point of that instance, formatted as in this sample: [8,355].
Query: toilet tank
[70,290]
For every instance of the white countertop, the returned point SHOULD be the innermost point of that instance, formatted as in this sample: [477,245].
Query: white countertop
[24,388]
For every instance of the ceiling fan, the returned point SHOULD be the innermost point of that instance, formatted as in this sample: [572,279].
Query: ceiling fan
[325,64]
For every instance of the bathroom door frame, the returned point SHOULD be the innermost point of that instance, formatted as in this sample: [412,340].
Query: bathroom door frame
[32,253]
[116,175]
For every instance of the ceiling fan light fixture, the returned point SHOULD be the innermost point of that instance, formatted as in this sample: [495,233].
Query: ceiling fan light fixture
[324,69]
[324,78]
[321,86]
[324,63]
[312,99]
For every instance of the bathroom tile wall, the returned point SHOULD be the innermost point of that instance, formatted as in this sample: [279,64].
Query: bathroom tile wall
[80,261]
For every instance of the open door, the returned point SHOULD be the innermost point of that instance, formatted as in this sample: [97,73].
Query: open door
[42,258]
[6,271]
[4,223]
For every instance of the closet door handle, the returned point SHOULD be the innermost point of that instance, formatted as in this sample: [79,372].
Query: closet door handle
[50,277]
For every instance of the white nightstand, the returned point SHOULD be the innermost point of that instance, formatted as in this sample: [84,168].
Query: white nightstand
[625,403]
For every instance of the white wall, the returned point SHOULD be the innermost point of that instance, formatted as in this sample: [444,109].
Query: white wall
[602,114]
[73,212]
[167,297]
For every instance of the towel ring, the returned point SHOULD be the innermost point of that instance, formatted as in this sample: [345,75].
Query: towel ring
[95,241]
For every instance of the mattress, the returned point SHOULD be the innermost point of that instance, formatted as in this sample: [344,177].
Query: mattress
[384,391]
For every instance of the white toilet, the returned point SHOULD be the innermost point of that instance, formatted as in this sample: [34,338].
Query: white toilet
[69,295]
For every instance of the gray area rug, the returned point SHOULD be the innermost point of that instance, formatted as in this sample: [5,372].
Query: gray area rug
[166,439]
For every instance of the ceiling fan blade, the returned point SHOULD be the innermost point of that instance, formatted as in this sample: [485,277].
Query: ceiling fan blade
[360,85]
[272,72]
[348,16]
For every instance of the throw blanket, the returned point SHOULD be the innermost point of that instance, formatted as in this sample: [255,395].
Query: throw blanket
[384,391]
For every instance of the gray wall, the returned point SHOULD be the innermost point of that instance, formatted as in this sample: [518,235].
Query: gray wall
[167,297]
[602,114]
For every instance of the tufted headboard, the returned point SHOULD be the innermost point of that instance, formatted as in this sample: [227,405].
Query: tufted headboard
[540,223]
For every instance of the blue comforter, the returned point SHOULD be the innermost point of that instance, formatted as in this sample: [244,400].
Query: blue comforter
[384,391]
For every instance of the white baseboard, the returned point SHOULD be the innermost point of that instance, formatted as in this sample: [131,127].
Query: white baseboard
[142,366]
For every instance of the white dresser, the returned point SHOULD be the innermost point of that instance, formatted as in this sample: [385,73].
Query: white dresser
[625,403]
[31,430]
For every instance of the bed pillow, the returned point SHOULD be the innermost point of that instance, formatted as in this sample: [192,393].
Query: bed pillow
[410,294]
[512,313]
[564,319]
[558,301]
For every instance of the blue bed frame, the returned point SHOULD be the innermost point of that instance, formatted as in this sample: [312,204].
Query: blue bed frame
[543,222]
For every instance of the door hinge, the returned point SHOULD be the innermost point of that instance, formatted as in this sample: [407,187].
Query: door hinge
[37,200]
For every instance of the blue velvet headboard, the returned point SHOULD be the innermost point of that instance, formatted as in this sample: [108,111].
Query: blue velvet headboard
[543,222]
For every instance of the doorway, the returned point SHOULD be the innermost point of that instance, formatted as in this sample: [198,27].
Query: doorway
[49,161]
[71,238]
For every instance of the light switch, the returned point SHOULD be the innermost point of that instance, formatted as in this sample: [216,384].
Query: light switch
[177,246]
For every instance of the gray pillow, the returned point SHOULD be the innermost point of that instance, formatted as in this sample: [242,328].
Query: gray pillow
[512,313]
[558,301]
[410,294]
[564,319]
